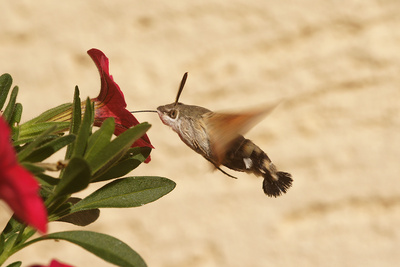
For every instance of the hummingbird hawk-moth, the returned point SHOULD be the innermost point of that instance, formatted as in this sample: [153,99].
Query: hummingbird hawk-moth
[218,137]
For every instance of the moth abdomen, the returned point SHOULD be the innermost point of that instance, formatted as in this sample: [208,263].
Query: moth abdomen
[275,186]
[246,156]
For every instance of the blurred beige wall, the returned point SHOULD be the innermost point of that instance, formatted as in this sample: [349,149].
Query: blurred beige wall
[337,64]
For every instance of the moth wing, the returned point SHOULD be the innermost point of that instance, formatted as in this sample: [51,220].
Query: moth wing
[223,128]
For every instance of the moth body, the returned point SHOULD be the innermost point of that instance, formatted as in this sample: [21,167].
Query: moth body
[211,135]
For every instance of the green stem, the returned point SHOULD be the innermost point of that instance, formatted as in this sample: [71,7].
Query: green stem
[23,245]
[53,203]
[3,257]
[11,242]
[14,243]
[8,246]
[20,234]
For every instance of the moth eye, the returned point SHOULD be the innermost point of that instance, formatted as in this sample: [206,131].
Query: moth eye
[173,114]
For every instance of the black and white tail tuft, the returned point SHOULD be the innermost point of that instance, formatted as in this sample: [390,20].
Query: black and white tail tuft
[276,184]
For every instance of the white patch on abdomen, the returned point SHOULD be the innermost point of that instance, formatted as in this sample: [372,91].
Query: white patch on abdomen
[248,163]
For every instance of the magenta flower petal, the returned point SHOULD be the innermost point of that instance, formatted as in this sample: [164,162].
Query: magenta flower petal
[18,188]
[111,102]
[53,263]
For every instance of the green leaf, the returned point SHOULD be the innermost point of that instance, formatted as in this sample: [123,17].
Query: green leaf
[80,218]
[9,110]
[15,133]
[51,114]
[75,178]
[76,112]
[32,168]
[2,241]
[99,139]
[5,86]
[46,180]
[75,121]
[104,246]
[84,132]
[43,152]
[139,153]
[15,264]
[134,157]
[28,132]
[126,192]
[16,117]
[120,169]
[117,148]
[47,138]
[29,148]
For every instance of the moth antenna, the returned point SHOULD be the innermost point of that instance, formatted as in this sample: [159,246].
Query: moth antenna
[181,87]
[139,111]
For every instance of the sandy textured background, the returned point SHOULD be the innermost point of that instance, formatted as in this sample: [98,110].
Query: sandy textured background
[336,62]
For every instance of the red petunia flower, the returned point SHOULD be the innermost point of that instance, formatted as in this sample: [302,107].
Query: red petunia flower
[18,188]
[53,263]
[111,102]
